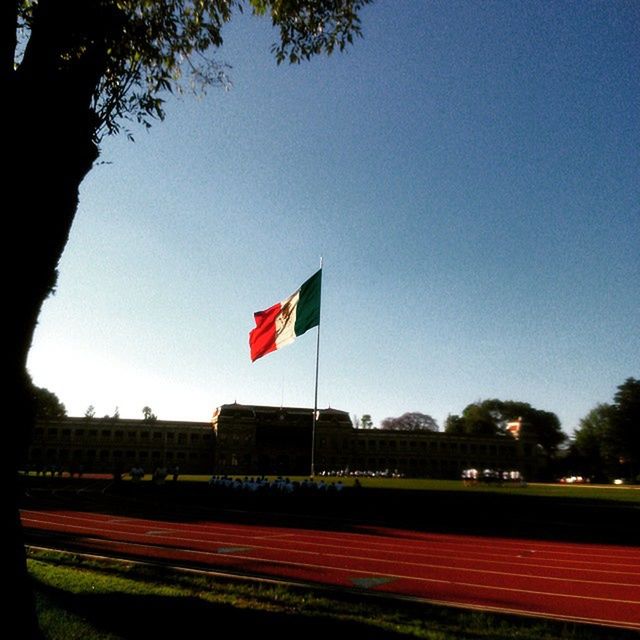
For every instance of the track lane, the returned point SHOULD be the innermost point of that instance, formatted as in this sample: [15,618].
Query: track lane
[554,579]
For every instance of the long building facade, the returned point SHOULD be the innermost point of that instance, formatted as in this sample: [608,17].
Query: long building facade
[107,445]
[255,440]
[262,440]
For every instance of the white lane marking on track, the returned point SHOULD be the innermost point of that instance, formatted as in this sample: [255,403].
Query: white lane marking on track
[428,540]
[405,598]
[273,536]
[530,546]
[158,532]
[394,561]
[387,575]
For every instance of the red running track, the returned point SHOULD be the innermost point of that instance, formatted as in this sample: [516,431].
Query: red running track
[579,582]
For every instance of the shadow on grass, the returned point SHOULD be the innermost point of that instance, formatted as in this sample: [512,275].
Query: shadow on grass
[142,617]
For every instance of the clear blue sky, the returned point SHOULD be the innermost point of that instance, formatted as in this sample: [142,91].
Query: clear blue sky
[470,172]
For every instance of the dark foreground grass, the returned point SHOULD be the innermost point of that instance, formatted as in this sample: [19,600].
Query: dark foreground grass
[83,599]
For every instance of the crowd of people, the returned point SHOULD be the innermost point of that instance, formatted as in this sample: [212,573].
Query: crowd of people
[350,473]
[492,476]
[159,475]
[278,486]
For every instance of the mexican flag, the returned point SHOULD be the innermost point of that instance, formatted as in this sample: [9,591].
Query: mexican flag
[279,325]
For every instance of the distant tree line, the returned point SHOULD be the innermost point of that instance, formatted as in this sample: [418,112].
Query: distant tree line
[490,418]
[606,445]
[47,406]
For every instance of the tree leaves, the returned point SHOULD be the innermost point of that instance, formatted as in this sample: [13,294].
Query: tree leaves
[410,421]
[158,47]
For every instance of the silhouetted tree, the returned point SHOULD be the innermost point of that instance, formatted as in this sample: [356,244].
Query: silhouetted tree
[47,404]
[593,449]
[490,417]
[72,71]
[455,425]
[366,422]
[410,421]
[148,415]
[626,426]
[607,443]
[476,420]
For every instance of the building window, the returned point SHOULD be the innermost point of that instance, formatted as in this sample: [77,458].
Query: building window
[157,435]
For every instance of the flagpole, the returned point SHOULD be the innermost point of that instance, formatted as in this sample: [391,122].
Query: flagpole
[315,398]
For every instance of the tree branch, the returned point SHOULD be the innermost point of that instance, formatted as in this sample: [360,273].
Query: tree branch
[8,36]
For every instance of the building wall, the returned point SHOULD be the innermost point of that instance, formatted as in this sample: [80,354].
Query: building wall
[260,440]
[340,447]
[107,445]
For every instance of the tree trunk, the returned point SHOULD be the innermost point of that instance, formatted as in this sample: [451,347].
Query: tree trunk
[48,167]
[49,148]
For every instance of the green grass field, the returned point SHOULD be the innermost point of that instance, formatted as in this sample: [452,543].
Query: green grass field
[80,599]
[626,493]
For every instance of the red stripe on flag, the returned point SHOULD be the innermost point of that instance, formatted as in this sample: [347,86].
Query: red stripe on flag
[262,339]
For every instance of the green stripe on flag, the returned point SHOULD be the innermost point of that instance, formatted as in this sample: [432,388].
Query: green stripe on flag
[308,310]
